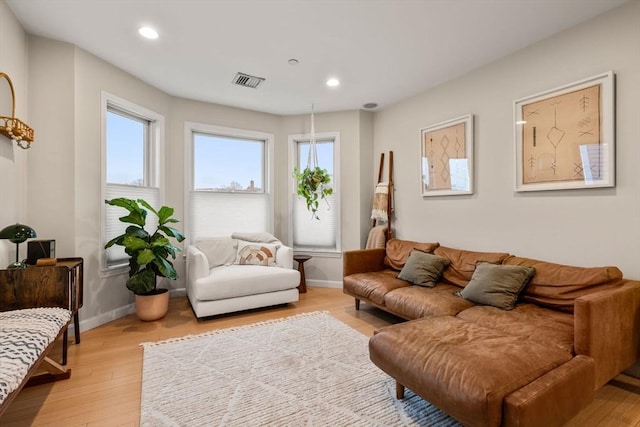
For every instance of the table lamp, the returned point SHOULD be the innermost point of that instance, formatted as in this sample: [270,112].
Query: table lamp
[17,234]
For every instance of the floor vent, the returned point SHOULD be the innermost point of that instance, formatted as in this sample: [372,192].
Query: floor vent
[246,80]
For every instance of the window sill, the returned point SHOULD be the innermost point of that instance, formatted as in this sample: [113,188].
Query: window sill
[318,253]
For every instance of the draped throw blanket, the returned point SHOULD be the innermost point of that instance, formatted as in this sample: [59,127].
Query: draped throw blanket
[377,237]
[380,202]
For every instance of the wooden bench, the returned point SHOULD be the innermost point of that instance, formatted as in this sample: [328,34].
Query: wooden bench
[26,337]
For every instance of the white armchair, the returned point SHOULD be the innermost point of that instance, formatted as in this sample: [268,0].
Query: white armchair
[222,275]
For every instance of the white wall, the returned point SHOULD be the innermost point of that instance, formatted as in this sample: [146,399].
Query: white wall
[13,179]
[51,178]
[367,184]
[580,227]
[64,170]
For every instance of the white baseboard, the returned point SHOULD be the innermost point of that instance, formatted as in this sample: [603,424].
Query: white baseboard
[94,322]
[180,292]
[101,319]
[324,283]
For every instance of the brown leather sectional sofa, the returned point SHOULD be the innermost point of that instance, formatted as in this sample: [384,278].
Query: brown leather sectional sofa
[571,331]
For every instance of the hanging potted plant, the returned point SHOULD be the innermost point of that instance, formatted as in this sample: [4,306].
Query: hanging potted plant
[149,255]
[312,185]
[312,182]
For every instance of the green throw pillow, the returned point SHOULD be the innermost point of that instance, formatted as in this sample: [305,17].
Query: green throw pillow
[497,285]
[423,269]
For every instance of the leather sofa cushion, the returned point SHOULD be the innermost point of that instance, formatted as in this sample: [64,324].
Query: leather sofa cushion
[373,285]
[397,251]
[527,321]
[465,369]
[414,302]
[557,286]
[463,263]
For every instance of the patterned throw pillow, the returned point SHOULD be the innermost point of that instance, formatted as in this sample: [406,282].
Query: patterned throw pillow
[250,253]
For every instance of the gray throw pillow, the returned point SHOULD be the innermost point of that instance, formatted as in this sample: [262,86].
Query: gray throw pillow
[423,268]
[497,285]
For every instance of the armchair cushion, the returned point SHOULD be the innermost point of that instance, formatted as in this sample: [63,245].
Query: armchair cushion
[218,250]
[231,281]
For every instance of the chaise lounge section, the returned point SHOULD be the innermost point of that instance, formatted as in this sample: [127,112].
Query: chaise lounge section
[538,363]
[26,337]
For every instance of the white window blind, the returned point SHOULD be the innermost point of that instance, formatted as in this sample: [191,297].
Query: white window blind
[315,234]
[220,213]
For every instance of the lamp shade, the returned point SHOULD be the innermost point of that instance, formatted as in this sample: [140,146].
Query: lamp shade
[17,233]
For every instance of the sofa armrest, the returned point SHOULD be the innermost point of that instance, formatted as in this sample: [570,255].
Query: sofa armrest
[284,256]
[607,328]
[362,261]
[197,265]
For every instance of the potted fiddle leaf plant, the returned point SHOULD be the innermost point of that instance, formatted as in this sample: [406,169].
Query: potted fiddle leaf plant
[312,184]
[149,254]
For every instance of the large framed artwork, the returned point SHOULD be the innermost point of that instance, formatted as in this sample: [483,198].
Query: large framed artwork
[447,158]
[565,136]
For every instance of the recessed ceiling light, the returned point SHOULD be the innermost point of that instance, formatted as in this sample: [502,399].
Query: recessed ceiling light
[148,32]
[333,82]
[293,61]
[370,105]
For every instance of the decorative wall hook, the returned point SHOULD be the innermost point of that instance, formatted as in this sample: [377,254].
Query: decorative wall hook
[12,127]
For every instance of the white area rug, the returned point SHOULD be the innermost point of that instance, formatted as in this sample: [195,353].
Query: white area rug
[306,370]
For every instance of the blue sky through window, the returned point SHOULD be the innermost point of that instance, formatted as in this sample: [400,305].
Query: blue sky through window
[227,164]
[125,149]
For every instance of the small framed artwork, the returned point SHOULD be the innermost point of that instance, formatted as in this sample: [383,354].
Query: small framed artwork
[565,136]
[446,161]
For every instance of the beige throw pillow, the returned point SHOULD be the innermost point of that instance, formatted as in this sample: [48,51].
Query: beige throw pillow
[497,285]
[250,253]
[423,269]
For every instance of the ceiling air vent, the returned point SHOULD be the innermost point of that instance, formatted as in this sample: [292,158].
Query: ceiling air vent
[246,80]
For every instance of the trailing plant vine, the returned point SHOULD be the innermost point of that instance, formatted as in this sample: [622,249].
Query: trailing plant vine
[312,184]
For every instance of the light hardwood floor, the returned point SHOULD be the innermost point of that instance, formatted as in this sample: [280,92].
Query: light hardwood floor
[104,388]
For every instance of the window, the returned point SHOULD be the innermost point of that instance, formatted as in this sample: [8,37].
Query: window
[132,136]
[229,181]
[323,234]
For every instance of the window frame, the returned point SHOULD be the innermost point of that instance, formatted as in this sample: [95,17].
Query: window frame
[153,166]
[191,128]
[294,140]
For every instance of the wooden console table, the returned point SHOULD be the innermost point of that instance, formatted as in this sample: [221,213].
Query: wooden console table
[59,285]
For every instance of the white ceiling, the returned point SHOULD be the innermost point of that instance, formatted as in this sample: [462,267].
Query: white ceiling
[381,50]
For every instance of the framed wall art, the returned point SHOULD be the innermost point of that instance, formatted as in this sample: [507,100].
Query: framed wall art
[446,161]
[565,137]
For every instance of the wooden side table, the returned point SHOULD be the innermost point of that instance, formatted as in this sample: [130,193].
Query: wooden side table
[301,259]
[59,285]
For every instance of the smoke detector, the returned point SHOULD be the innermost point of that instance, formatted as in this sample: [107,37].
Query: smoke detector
[242,79]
